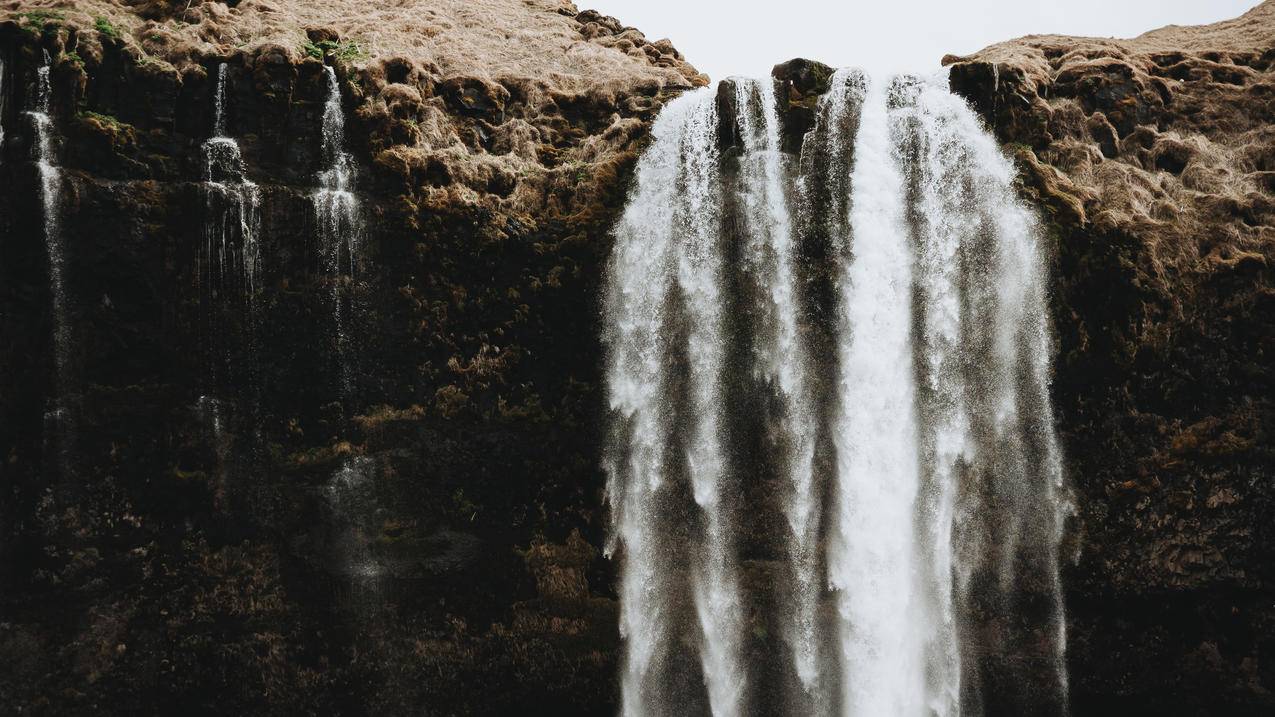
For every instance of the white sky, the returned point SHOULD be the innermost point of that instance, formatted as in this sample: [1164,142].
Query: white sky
[748,37]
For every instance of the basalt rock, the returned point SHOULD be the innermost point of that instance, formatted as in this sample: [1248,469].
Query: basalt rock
[1148,158]
[207,551]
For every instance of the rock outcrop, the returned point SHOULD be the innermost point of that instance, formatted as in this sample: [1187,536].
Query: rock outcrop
[1152,159]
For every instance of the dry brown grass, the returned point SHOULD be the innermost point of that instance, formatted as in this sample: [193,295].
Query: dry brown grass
[1166,136]
[484,38]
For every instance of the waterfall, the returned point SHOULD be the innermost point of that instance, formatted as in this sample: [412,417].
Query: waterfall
[337,214]
[233,203]
[229,265]
[1,109]
[943,497]
[45,156]
[873,551]
[780,356]
[350,491]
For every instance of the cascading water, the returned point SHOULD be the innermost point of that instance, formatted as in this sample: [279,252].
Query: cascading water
[44,155]
[942,500]
[229,268]
[233,203]
[1,109]
[780,357]
[340,226]
[671,256]
[872,549]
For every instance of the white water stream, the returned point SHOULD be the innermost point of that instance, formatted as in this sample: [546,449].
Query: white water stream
[945,471]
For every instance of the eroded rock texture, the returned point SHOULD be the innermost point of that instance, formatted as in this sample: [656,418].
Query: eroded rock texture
[1152,159]
[206,549]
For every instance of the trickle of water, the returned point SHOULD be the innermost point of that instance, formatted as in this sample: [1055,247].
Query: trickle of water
[349,494]
[44,154]
[1,109]
[339,220]
[233,202]
[340,226]
[947,481]
[229,267]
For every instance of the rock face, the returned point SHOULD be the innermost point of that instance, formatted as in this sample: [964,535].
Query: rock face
[206,546]
[1153,159]
[227,533]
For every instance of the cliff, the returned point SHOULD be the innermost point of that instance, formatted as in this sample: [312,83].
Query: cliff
[190,546]
[1153,160]
[202,545]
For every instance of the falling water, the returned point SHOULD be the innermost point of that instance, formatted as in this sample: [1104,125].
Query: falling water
[873,551]
[337,214]
[1,109]
[233,203]
[229,269]
[769,252]
[670,256]
[45,156]
[945,478]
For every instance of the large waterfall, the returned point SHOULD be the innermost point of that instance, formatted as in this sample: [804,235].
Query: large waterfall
[851,343]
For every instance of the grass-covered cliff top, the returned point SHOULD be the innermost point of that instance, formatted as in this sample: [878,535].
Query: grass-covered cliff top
[491,38]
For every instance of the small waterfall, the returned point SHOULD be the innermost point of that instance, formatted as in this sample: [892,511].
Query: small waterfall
[228,275]
[945,480]
[44,154]
[350,491]
[340,224]
[233,202]
[1,109]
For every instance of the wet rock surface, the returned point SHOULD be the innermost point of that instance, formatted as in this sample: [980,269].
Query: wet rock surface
[1148,157]
[232,536]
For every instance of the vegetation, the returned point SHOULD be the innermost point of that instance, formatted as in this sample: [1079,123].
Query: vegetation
[105,28]
[347,51]
[34,21]
[111,122]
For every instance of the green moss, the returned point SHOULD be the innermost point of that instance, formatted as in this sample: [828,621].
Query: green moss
[74,58]
[348,51]
[35,21]
[104,27]
[111,122]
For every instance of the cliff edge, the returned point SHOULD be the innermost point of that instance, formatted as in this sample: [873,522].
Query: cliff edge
[1153,160]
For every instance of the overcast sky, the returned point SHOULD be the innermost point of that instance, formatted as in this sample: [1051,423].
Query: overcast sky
[748,37]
